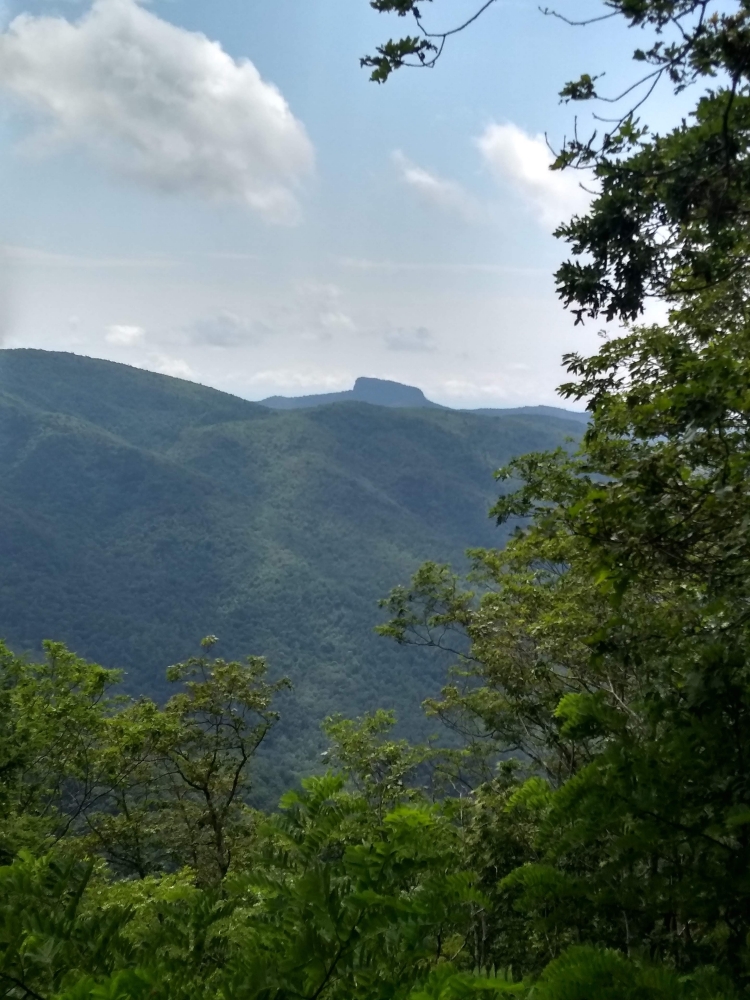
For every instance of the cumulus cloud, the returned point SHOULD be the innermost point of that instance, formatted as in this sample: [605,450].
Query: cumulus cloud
[522,161]
[226,329]
[435,190]
[163,105]
[418,339]
[123,335]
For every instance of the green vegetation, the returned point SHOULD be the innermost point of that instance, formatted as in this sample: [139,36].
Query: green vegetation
[139,513]
[589,836]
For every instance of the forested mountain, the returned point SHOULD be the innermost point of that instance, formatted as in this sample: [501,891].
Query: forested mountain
[580,416]
[139,513]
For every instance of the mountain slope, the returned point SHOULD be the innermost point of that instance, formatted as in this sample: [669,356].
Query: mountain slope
[142,407]
[535,411]
[139,513]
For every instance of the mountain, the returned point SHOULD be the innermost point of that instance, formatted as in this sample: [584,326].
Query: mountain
[377,391]
[381,392]
[557,412]
[139,513]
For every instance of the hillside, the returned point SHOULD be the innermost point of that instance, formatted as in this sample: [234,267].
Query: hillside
[140,512]
[578,416]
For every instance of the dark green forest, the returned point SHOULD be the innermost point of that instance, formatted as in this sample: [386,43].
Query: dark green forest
[585,832]
[139,513]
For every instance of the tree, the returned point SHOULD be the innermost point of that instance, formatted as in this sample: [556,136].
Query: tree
[421,50]
[149,789]
[176,781]
[610,652]
[51,721]
[337,903]
[670,218]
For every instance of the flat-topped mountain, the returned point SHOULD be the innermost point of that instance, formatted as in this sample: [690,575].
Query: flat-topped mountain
[378,391]
[139,513]
[382,392]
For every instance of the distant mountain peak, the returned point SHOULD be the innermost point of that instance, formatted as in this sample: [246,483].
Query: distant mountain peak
[383,392]
[377,391]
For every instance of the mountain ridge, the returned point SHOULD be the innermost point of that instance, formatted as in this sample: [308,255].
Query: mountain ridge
[376,391]
[139,513]
[384,392]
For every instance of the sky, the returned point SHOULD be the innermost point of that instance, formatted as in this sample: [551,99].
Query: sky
[214,190]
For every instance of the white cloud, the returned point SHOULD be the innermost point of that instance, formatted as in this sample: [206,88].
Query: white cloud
[445,194]
[164,365]
[226,329]
[418,339]
[523,161]
[308,312]
[122,335]
[163,105]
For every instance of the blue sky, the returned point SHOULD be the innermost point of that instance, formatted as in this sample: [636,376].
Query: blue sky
[214,190]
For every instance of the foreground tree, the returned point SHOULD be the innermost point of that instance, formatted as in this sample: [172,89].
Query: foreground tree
[186,799]
[608,650]
[52,718]
[148,789]
[337,902]
[608,646]
[670,219]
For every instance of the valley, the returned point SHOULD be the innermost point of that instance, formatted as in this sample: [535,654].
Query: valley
[139,513]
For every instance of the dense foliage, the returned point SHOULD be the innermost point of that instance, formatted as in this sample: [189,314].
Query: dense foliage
[135,868]
[605,650]
[590,836]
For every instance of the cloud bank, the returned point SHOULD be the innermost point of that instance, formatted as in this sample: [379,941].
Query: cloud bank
[158,103]
[522,161]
